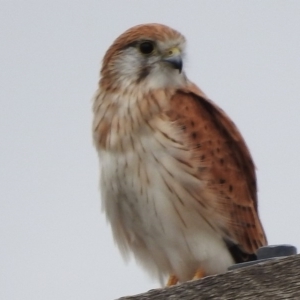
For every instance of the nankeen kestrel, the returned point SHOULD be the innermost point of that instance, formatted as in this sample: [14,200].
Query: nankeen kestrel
[178,183]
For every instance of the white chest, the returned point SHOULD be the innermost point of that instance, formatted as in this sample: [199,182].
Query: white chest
[134,187]
[150,187]
[148,198]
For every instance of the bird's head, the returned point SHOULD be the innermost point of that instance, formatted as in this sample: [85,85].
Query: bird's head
[149,55]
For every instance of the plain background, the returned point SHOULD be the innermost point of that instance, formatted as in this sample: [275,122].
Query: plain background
[55,243]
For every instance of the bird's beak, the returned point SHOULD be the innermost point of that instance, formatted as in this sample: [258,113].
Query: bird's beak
[173,57]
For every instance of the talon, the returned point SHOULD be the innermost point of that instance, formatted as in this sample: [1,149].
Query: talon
[172,280]
[199,274]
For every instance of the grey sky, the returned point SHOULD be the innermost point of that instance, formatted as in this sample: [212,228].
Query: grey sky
[55,243]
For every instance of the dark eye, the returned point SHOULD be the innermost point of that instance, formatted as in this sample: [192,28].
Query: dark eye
[146,47]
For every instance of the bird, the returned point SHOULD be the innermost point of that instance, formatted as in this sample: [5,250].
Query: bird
[177,180]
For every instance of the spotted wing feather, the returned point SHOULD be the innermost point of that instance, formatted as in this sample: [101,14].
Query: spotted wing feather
[224,162]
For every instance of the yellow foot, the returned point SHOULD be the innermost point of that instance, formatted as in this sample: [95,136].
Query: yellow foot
[172,280]
[199,274]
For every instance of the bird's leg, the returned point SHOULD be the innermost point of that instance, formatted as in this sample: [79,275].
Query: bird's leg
[199,274]
[172,280]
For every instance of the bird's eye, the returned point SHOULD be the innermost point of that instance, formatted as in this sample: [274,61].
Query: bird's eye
[146,47]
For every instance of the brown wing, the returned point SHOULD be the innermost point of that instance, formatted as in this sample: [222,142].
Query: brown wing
[228,167]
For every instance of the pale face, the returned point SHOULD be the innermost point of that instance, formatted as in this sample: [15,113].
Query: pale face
[148,61]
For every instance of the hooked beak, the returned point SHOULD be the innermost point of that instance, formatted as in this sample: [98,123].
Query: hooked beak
[173,57]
